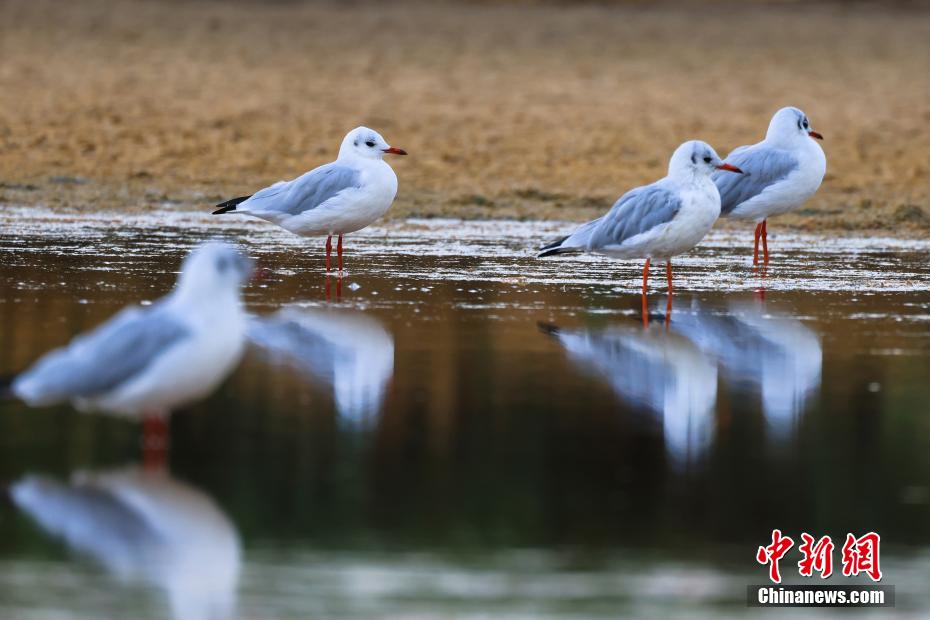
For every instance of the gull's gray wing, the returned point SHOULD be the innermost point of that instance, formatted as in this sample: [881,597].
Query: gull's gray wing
[102,360]
[762,166]
[634,213]
[265,196]
[305,192]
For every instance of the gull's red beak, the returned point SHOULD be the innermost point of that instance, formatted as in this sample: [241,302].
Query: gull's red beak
[814,134]
[729,167]
[395,151]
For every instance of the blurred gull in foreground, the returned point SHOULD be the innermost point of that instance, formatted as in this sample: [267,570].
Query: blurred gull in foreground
[149,361]
[346,349]
[334,199]
[660,220]
[773,354]
[144,526]
[654,370]
[781,172]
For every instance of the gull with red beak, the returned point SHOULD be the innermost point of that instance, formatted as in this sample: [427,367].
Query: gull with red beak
[781,172]
[335,199]
[657,221]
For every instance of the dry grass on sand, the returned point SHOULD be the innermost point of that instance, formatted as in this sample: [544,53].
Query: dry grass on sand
[537,111]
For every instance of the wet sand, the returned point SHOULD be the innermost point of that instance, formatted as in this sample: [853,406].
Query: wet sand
[527,112]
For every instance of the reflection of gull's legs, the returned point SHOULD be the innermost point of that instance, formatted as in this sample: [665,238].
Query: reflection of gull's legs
[765,243]
[155,435]
[668,275]
[645,290]
[338,288]
[761,233]
[329,250]
[755,245]
[760,292]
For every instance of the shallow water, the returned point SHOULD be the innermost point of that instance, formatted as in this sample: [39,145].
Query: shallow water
[462,430]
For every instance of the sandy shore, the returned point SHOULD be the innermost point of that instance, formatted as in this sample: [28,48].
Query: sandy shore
[507,111]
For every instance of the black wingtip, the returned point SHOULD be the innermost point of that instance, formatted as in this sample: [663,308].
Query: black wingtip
[6,495]
[552,252]
[553,248]
[548,328]
[230,205]
[6,386]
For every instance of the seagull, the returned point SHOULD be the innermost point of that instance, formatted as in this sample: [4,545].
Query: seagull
[660,220]
[148,361]
[781,172]
[144,527]
[335,199]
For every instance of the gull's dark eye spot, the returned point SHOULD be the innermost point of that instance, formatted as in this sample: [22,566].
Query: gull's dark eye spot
[806,124]
[693,160]
[370,143]
[707,160]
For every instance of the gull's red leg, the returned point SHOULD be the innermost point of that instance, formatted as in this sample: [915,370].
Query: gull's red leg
[646,277]
[329,250]
[154,440]
[668,275]
[339,252]
[755,247]
[645,289]
[765,243]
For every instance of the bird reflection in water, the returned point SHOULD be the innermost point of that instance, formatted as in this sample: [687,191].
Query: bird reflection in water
[655,371]
[345,349]
[144,526]
[762,351]
[671,370]
[328,287]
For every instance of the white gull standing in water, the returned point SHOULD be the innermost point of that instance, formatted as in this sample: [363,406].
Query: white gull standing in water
[334,199]
[781,172]
[656,221]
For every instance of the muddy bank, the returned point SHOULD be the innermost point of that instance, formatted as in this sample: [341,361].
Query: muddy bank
[508,111]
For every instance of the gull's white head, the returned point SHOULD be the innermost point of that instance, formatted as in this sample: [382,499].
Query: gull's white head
[695,159]
[790,126]
[214,269]
[367,143]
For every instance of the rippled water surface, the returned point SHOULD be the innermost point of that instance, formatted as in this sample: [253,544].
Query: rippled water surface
[457,429]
